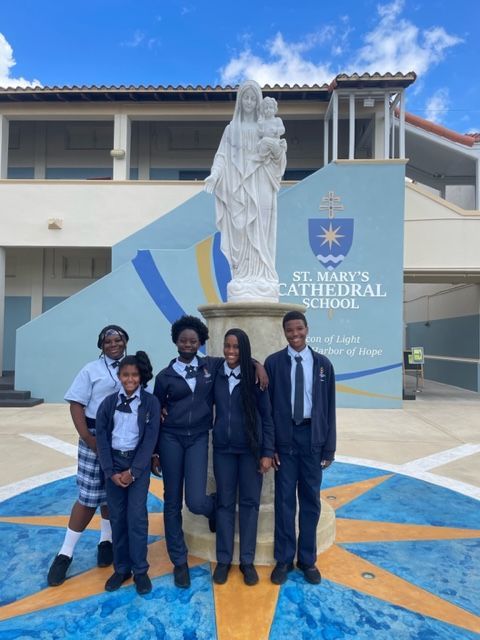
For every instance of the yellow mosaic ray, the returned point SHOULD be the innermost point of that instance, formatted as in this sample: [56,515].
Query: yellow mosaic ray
[343,494]
[86,584]
[345,568]
[155,522]
[374,531]
[245,613]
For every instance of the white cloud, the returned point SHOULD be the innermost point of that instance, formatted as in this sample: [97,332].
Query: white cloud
[437,105]
[394,44]
[136,40]
[285,64]
[7,62]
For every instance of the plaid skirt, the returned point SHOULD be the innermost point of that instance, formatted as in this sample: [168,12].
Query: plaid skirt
[90,477]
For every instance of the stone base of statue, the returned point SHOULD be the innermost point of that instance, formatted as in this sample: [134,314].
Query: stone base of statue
[262,321]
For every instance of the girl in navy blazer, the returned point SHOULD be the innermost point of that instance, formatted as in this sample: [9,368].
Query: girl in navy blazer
[127,432]
[243,447]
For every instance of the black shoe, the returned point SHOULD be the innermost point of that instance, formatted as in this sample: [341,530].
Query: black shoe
[280,572]
[181,576]
[220,575]
[104,554]
[310,573]
[58,570]
[116,580]
[250,575]
[143,583]
[212,521]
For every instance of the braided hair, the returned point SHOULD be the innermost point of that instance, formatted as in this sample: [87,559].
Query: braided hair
[247,388]
[143,364]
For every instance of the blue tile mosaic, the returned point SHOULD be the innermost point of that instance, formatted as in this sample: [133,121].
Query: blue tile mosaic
[448,568]
[406,500]
[54,499]
[343,473]
[167,613]
[331,612]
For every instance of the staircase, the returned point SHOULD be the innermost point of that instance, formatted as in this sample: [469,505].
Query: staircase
[9,397]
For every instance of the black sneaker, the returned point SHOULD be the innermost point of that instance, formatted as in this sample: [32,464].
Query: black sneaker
[250,575]
[212,520]
[181,576]
[104,554]
[58,570]
[143,583]
[220,575]
[116,580]
[310,573]
[280,572]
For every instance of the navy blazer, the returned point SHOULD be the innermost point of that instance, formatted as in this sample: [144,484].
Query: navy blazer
[188,412]
[148,424]
[229,434]
[323,427]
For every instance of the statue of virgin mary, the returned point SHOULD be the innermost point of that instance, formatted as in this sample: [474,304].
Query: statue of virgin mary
[245,183]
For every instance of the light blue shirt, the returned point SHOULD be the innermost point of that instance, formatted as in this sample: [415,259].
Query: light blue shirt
[232,381]
[307,364]
[96,381]
[125,432]
[180,368]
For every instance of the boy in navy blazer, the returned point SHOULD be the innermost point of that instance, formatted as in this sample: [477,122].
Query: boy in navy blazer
[302,393]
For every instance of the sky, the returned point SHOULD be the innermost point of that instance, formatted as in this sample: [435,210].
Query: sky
[187,42]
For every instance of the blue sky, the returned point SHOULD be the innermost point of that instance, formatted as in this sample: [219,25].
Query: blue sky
[182,42]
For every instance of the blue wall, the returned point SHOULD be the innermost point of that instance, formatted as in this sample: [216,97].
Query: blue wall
[17,313]
[452,337]
[170,274]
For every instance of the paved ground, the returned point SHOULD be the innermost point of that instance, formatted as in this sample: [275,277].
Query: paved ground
[397,519]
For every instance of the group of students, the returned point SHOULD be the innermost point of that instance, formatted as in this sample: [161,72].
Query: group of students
[280,415]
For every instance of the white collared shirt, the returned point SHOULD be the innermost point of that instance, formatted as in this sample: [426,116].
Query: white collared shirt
[125,432]
[307,364]
[93,383]
[232,381]
[180,368]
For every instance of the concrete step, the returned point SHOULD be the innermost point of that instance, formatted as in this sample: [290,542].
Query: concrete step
[28,402]
[12,394]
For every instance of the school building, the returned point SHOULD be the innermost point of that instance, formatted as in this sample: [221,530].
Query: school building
[87,172]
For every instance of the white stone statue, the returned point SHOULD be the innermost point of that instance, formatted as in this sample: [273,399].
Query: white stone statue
[245,179]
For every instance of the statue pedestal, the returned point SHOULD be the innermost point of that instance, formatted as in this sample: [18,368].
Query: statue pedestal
[262,321]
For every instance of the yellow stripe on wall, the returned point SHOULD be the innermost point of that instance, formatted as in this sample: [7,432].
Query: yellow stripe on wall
[343,388]
[204,252]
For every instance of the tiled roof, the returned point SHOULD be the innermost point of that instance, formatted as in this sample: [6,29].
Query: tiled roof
[96,93]
[465,139]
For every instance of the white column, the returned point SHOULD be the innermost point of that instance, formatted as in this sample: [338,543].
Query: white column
[4,129]
[386,125]
[2,304]
[477,184]
[325,141]
[40,159]
[351,127]
[37,266]
[121,147]
[401,127]
[335,126]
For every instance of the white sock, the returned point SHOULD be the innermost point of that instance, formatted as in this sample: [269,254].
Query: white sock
[105,530]
[71,539]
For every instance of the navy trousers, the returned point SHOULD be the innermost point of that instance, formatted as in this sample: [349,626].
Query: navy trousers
[300,471]
[237,471]
[129,519]
[184,461]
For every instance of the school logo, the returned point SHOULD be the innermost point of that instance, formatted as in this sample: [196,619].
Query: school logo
[330,238]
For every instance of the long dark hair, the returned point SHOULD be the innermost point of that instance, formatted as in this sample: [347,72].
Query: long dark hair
[143,364]
[247,388]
